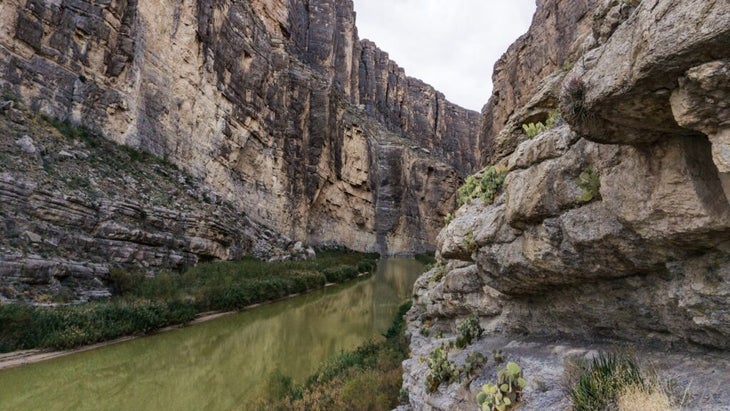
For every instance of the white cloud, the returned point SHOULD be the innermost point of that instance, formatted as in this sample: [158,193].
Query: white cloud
[451,45]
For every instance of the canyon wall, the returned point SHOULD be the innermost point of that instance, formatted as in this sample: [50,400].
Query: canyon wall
[277,105]
[614,225]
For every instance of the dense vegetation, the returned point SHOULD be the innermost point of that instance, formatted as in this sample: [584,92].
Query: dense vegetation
[144,304]
[368,378]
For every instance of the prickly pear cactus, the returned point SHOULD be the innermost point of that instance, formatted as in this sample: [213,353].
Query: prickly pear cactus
[506,393]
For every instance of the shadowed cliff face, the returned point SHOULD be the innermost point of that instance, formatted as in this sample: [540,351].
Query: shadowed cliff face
[275,104]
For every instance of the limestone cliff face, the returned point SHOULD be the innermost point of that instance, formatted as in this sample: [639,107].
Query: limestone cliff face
[276,104]
[643,255]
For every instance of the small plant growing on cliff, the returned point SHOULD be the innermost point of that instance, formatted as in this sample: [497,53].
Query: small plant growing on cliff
[448,218]
[440,369]
[533,129]
[572,100]
[506,393]
[484,185]
[438,274]
[590,182]
[498,356]
[468,242]
[469,330]
[474,361]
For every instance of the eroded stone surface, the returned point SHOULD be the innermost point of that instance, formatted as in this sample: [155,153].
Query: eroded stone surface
[644,259]
[277,105]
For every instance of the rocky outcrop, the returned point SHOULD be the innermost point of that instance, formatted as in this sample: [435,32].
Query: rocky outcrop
[556,39]
[73,208]
[614,224]
[275,104]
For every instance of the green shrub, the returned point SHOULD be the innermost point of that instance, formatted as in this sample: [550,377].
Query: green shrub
[590,181]
[484,185]
[24,327]
[506,393]
[602,381]
[123,282]
[469,330]
[440,369]
[366,266]
[143,303]
[426,258]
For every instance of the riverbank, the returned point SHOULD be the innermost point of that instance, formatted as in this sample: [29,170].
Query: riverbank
[19,358]
[144,305]
[367,378]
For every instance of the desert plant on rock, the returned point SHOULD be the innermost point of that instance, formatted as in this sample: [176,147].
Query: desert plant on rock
[572,100]
[440,369]
[469,330]
[533,129]
[484,185]
[590,181]
[474,361]
[506,393]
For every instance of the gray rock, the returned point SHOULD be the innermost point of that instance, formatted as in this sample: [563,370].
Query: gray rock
[27,144]
[32,237]
[65,155]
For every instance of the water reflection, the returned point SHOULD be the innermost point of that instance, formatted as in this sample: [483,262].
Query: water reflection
[220,364]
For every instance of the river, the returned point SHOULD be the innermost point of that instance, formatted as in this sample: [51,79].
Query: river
[221,364]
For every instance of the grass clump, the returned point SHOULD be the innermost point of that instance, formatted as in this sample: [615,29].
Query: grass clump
[602,380]
[572,100]
[590,182]
[506,393]
[638,398]
[484,185]
[368,378]
[143,304]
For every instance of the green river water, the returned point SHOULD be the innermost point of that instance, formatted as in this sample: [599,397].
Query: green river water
[222,364]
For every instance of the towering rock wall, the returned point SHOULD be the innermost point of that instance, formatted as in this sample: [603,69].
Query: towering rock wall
[614,224]
[624,204]
[276,104]
[559,33]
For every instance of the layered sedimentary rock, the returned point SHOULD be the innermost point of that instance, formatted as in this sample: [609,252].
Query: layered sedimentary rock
[75,207]
[615,224]
[275,104]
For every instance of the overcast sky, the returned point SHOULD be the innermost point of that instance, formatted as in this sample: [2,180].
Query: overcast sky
[450,44]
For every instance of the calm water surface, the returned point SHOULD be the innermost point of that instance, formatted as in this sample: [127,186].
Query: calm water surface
[218,365]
